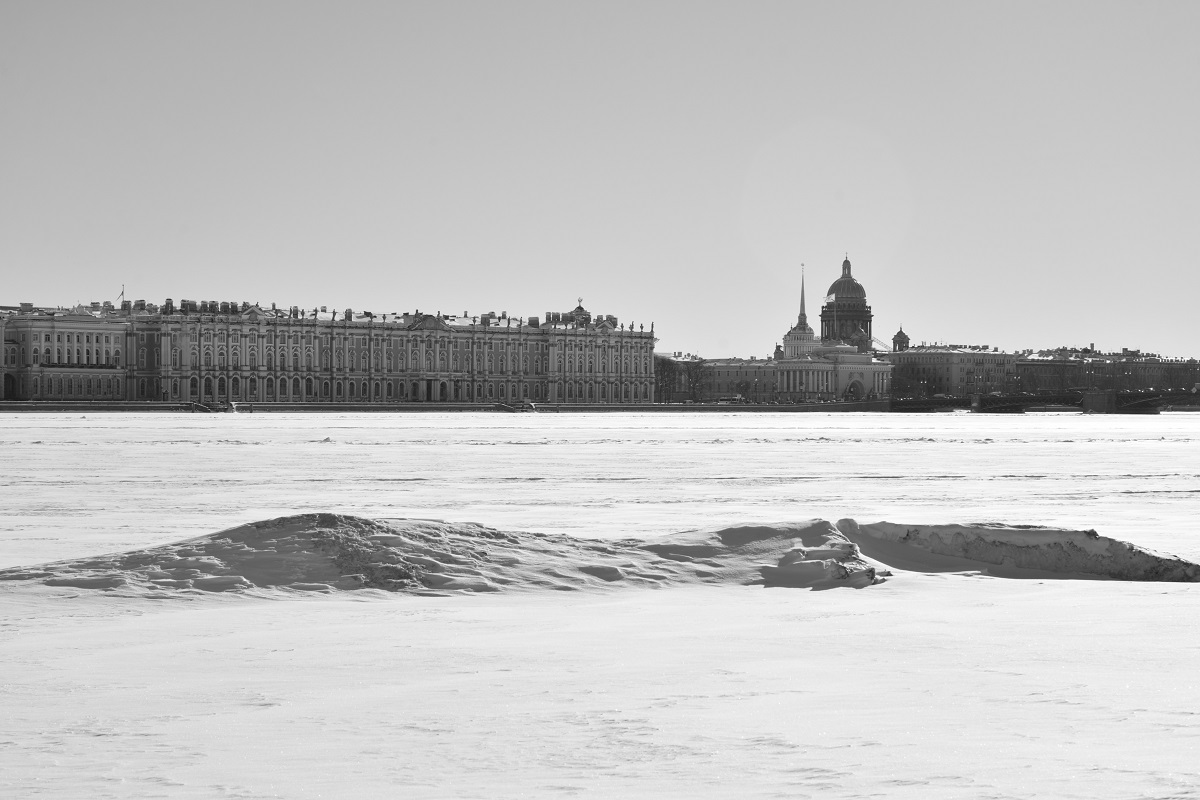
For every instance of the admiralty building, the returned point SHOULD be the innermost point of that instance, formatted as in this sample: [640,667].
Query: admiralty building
[220,352]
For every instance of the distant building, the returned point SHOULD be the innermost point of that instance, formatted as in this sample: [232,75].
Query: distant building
[1066,368]
[802,368]
[847,317]
[221,351]
[955,370]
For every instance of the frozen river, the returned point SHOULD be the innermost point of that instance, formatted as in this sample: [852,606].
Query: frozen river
[942,685]
[77,485]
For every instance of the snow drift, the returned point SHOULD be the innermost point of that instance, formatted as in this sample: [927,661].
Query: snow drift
[1014,551]
[330,552]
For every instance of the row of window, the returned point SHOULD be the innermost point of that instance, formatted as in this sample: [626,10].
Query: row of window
[76,387]
[399,363]
[112,358]
[379,341]
[295,389]
[71,338]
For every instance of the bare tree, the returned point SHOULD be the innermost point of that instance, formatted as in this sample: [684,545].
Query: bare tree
[666,378]
[697,374]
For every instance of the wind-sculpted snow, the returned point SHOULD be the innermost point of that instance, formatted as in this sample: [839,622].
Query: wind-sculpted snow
[1014,552]
[330,552]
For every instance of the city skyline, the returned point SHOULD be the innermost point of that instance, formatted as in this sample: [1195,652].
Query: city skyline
[1020,176]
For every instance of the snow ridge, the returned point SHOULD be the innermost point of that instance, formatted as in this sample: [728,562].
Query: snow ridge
[333,552]
[1015,551]
[329,552]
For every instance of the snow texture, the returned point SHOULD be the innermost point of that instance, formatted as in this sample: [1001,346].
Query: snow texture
[328,552]
[1008,551]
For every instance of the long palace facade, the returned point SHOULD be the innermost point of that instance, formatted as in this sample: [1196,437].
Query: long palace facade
[220,352]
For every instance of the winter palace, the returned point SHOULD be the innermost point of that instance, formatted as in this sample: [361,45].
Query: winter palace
[218,351]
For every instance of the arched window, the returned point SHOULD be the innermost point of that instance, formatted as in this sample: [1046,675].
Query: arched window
[208,387]
[174,387]
[193,387]
[353,387]
[235,358]
[283,388]
[37,355]
[235,386]
[353,361]
[429,362]
[308,359]
[208,358]
[325,389]
[295,359]
[221,387]
[253,359]
[270,359]
[253,388]
[308,387]
[221,358]
[442,362]
[174,358]
[296,388]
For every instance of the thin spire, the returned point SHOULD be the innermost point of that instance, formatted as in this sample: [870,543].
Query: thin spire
[802,323]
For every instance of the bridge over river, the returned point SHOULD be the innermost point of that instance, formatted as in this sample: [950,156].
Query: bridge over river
[1138,402]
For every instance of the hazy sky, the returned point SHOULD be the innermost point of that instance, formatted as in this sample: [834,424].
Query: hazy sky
[1016,174]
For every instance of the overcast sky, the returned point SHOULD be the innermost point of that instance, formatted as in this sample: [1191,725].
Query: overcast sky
[1015,174]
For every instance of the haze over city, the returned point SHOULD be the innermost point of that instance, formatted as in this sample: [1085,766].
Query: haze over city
[1021,175]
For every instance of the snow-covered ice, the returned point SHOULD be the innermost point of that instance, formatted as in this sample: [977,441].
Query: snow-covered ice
[662,677]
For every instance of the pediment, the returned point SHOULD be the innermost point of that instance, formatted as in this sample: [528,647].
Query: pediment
[429,322]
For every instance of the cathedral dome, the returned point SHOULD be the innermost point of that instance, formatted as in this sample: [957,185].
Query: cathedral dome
[845,287]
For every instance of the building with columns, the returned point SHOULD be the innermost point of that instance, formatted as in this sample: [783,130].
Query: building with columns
[219,352]
[804,368]
[841,364]
[845,315]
